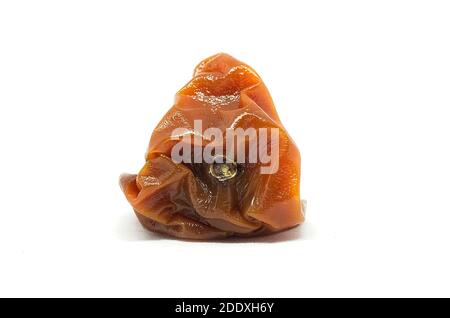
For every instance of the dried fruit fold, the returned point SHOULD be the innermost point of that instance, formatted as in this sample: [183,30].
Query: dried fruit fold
[216,200]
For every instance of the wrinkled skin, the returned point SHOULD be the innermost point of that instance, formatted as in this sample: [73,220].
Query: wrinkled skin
[184,200]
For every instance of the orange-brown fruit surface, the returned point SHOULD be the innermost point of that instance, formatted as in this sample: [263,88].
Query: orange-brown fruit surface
[191,200]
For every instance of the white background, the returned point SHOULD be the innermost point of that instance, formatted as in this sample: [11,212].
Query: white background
[362,86]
